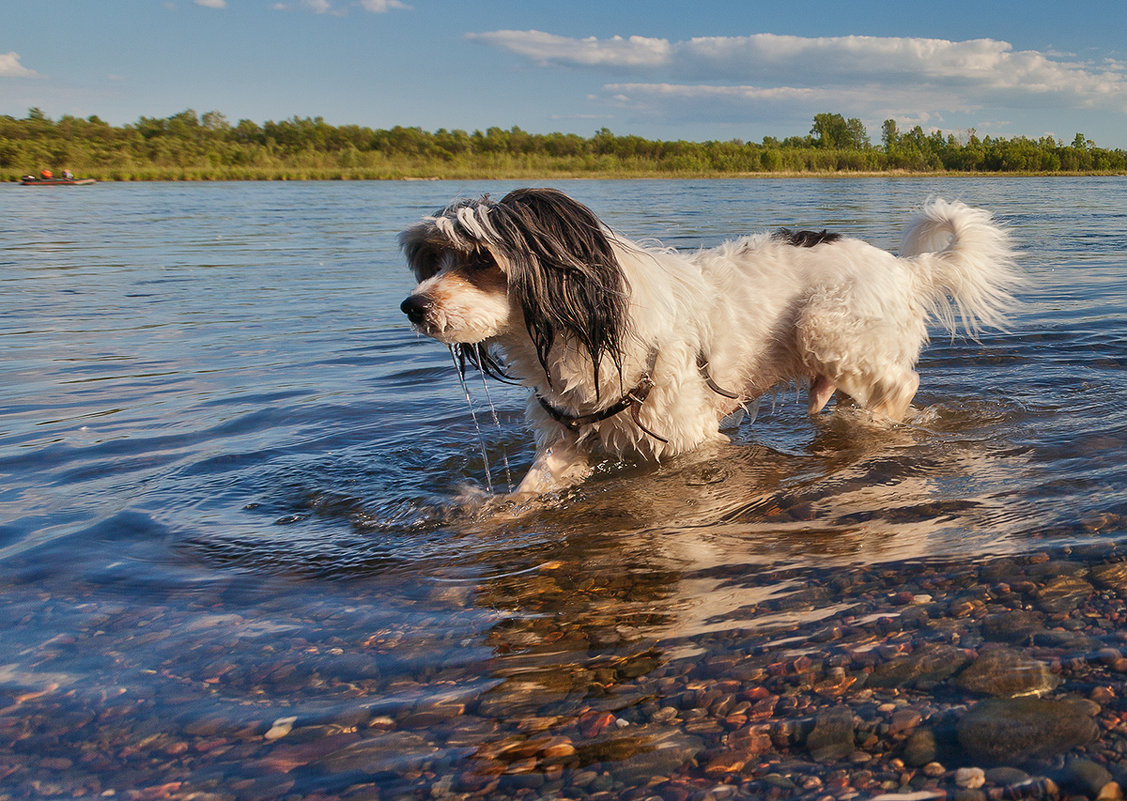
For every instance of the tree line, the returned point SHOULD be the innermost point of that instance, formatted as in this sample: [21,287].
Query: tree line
[190,146]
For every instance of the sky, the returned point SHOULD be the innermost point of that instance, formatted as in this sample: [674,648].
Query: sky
[663,70]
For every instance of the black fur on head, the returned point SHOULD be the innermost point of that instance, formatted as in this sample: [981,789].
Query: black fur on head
[560,266]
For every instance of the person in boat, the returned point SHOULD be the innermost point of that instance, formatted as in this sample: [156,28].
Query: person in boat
[46,175]
[68,175]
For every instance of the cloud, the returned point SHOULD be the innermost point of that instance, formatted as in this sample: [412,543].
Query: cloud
[383,6]
[211,3]
[10,67]
[546,49]
[876,72]
[326,7]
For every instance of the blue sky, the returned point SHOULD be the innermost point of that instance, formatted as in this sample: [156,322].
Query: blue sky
[701,70]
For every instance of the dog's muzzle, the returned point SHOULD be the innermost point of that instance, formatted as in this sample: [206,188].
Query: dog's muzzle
[415,307]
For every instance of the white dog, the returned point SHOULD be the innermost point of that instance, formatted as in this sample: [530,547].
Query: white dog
[639,351]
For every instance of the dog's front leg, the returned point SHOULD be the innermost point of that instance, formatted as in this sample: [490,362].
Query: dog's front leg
[557,466]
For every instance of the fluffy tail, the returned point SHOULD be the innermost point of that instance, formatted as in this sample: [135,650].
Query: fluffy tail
[966,265]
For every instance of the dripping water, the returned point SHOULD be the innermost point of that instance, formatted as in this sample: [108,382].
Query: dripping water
[497,425]
[460,370]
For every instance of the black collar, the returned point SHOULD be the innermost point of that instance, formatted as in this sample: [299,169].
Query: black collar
[632,400]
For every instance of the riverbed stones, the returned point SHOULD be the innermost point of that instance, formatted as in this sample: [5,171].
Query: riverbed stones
[1086,776]
[1005,672]
[920,748]
[832,735]
[923,669]
[1013,626]
[1063,594]
[1017,729]
[660,757]
[1110,576]
[970,778]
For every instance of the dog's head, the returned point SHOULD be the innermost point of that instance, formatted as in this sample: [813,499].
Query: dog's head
[536,260]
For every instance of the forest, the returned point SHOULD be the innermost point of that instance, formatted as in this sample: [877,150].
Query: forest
[190,146]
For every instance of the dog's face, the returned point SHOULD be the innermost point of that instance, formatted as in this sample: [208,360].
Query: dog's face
[536,263]
[462,297]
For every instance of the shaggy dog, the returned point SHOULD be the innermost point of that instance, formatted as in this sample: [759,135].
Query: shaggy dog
[642,351]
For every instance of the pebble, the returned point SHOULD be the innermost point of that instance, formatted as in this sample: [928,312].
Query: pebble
[926,665]
[1016,729]
[923,669]
[832,735]
[1063,594]
[1086,776]
[1006,672]
[970,778]
[920,748]
[280,728]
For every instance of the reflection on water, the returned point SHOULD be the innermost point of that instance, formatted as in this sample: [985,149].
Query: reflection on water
[245,552]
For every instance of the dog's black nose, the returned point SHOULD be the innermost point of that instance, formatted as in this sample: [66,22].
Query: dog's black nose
[415,307]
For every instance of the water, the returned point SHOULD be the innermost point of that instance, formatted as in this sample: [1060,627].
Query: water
[242,552]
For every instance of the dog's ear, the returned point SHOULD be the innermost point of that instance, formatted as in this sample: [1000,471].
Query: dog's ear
[563,271]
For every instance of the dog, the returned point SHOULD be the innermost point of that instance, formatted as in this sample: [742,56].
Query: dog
[640,351]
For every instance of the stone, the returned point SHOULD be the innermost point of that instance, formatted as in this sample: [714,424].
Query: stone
[1085,776]
[832,735]
[921,748]
[970,778]
[1110,792]
[280,728]
[923,669]
[1006,672]
[389,751]
[664,756]
[904,720]
[1063,594]
[1111,576]
[1018,625]
[1006,776]
[1016,729]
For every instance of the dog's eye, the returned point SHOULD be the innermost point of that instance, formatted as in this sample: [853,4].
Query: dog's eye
[480,261]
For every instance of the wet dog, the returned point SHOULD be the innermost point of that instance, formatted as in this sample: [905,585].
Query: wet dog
[642,351]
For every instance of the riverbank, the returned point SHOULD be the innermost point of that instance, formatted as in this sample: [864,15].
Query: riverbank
[332,174]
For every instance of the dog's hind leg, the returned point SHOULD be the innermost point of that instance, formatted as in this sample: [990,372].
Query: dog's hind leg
[821,390]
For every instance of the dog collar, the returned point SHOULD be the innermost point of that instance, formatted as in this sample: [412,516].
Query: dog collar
[632,400]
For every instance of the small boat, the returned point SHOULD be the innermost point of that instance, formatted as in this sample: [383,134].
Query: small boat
[30,180]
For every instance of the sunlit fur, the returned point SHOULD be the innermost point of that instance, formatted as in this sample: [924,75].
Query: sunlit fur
[536,288]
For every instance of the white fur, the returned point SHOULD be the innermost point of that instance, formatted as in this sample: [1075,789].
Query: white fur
[841,315]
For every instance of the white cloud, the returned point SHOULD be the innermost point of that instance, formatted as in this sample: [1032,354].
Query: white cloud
[326,7]
[923,74]
[10,67]
[211,3]
[546,49]
[383,6]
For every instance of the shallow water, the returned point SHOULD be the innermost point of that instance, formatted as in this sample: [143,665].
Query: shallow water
[236,556]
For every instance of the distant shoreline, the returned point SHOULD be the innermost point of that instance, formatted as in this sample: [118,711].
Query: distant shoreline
[182,176]
[190,147]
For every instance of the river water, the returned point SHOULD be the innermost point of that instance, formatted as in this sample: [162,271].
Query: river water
[237,560]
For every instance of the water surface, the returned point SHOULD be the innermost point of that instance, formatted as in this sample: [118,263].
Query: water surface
[236,556]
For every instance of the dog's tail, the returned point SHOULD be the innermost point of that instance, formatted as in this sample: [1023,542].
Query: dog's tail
[966,265]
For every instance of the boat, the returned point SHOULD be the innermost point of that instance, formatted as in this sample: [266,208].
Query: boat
[30,180]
